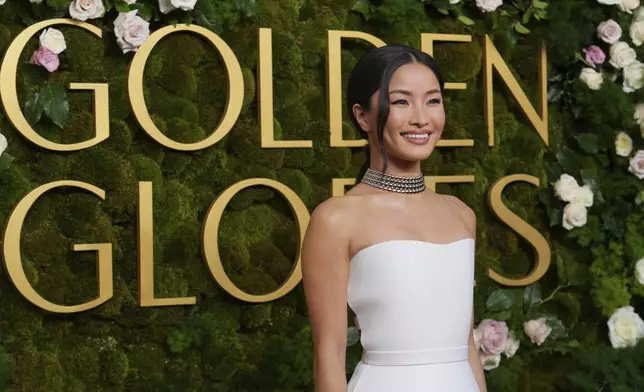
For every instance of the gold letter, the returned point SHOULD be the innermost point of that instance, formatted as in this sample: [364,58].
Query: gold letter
[334,83]
[540,245]
[265,65]
[338,184]
[427,45]
[493,60]
[8,91]
[211,234]
[235,88]
[13,260]
[146,254]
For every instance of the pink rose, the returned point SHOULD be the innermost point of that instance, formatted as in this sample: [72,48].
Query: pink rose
[609,31]
[594,55]
[537,330]
[493,336]
[46,58]
[637,165]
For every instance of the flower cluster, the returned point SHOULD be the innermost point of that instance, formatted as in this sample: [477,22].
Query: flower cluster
[52,43]
[492,339]
[579,198]
[622,57]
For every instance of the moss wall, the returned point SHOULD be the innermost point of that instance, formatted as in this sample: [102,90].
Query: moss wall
[222,344]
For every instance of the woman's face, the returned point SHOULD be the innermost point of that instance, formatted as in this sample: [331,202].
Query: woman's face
[416,114]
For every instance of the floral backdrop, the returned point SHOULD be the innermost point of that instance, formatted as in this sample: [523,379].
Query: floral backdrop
[578,329]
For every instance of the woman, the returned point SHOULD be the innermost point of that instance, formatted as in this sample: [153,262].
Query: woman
[400,255]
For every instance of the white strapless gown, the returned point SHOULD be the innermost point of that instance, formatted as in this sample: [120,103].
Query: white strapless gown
[413,302]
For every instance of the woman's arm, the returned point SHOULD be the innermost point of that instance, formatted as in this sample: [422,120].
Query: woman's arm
[475,361]
[325,269]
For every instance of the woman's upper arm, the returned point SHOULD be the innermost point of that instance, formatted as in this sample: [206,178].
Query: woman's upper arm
[325,270]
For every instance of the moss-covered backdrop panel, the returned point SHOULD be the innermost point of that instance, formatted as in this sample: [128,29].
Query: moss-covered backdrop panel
[222,344]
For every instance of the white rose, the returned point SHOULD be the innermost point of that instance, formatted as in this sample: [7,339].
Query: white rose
[131,31]
[639,270]
[130,1]
[623,144]
[86,9]
[3,143]
[633,77]
[2,2]
[537,330]
[454,1]
[592,78]
[490,362]
[488,5]
[53,40]
[36,1]
[628,5]
[609,31]
[638,115]
[584,196]
[574,215]
[511,346]
[637,165]
[477,338]
[638,15]
[621,54]
[566,187]
[637,32]
[169,5]
[609,2]
[625,327]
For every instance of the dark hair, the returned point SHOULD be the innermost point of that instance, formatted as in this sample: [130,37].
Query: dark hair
[373,72]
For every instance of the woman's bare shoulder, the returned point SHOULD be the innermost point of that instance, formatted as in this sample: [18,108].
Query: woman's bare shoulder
[466,213]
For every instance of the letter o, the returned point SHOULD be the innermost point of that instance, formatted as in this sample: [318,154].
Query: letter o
[235,98]
[211,232]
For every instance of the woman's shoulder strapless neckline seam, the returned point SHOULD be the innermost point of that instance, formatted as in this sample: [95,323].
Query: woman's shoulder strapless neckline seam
[433,244]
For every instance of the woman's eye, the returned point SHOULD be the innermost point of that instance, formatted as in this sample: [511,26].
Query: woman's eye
[399,102]
[435,101]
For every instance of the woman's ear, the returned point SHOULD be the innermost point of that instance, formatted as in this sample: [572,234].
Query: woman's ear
[361,116]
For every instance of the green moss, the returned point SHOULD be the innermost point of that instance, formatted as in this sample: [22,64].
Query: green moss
[287,56]
[609,294]
[84,53]
[181,82]
[298,182]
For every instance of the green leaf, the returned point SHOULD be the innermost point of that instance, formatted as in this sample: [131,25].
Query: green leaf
[201,19]
[570,271]
[34,109]
[521,29]
[5,161]
[589,178]
[571,303]
[588,142]
[555,92]
[542,5]
[353,336]
[499,300]
[531,296]
[362,7]
[527,16]
[502,316]
[465,20]
[55,103]
[145,11]
[558,329]
[443,11]
[123,7]
[569,160]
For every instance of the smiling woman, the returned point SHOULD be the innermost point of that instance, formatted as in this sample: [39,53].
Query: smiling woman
[381,250]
